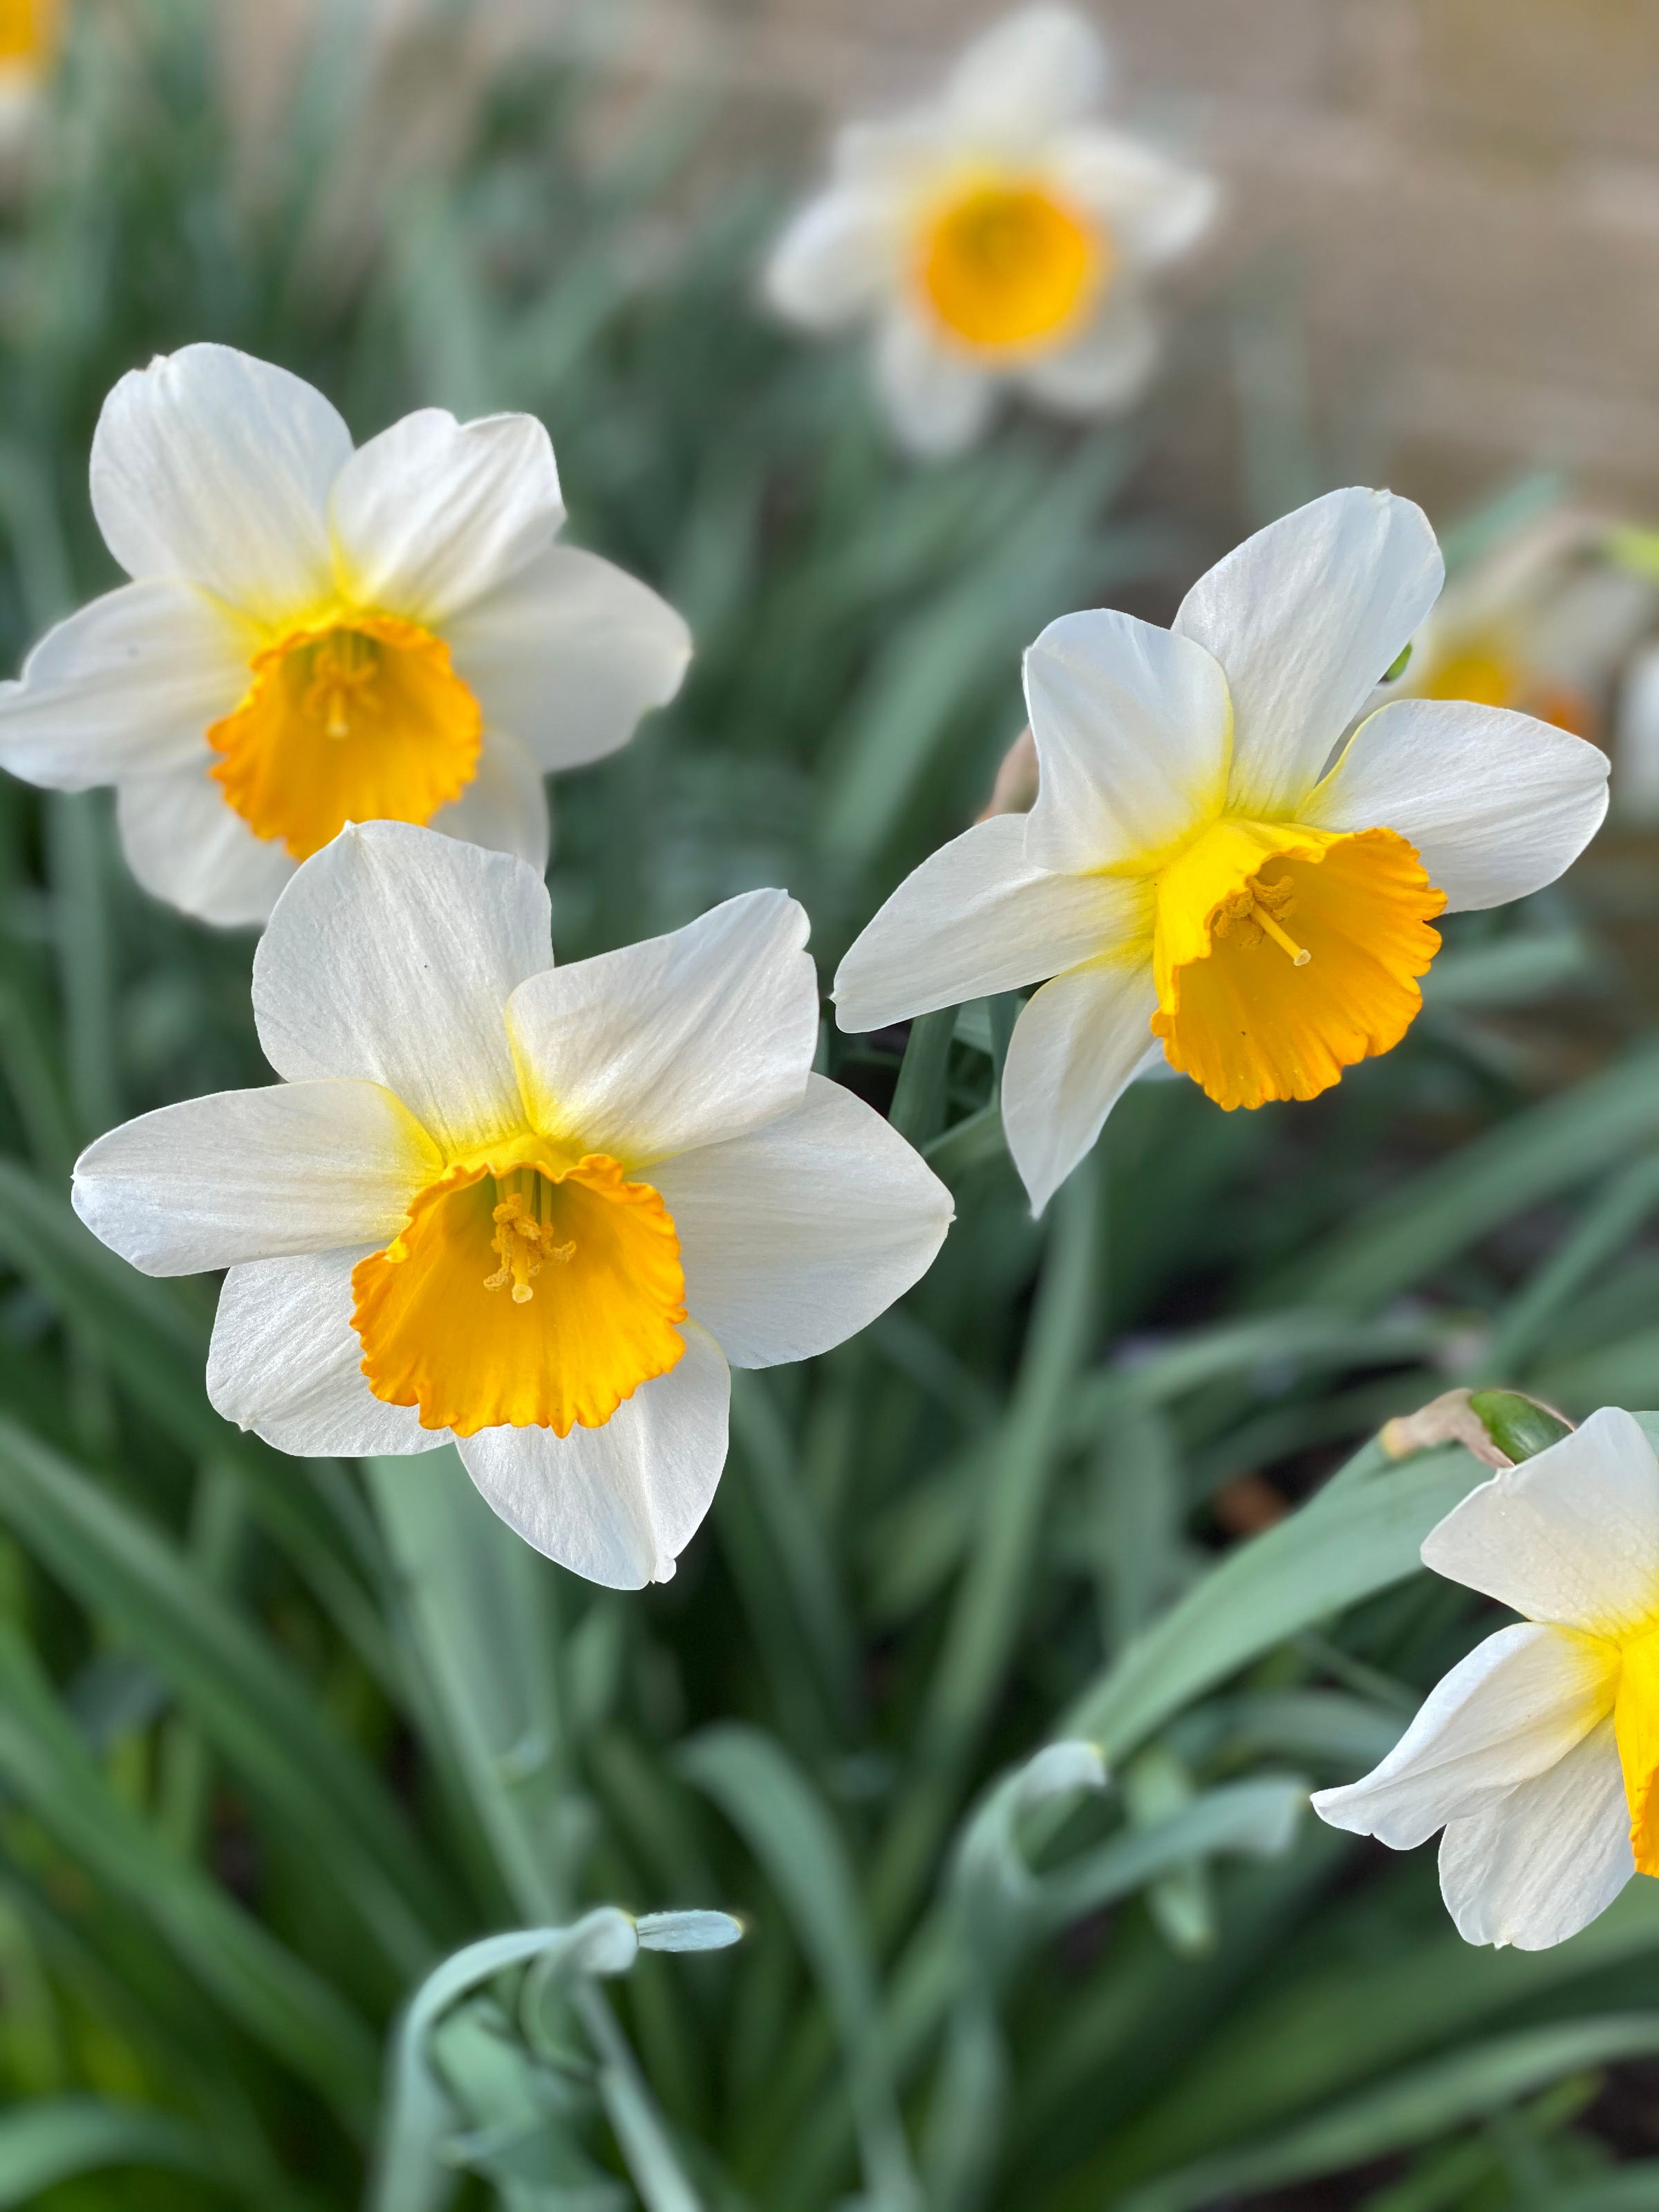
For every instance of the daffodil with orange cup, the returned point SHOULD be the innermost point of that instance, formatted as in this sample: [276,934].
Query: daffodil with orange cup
[315,635]
[532,1210]
[1218,864]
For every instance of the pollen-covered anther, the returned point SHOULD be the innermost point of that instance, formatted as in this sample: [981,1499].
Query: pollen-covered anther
[522,1244]
[343,677]
[1248,915]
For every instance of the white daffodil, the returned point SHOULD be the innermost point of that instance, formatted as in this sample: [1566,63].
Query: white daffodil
[315,635]
[1537,1754]
[1207,865]
[998,235]
[534,1209]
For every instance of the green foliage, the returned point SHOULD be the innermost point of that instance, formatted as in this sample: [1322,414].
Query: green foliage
[972,1699]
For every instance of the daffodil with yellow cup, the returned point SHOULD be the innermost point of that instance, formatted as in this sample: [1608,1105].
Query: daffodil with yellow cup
[532,1210]
[1538,1753]
[1000,235]
[1217,866]
[315,635]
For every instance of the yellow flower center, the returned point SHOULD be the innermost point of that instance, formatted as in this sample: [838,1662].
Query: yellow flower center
[1636,1729]
[357,718]
[1282,955]
[1004,265]
[529,1292]
[28,31]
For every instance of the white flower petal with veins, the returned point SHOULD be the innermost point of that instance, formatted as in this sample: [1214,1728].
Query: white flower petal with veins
[126,687]
[979,916]
[680,1040]
[214,468]
[246,1175]
[433,513]
[617,1504]
[286,1362]
[1297,677]
[1571,1536]
[797,1234]
[1429,766]
[1516,1705]
[1134,734]
[1076,1047]
[391,956]
[1539,1865]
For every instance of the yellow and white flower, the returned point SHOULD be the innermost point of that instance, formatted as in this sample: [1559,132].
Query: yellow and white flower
[30,33]
[534,1209]
[1001,235]
[1538,1753]
[1209,865]
[315,635]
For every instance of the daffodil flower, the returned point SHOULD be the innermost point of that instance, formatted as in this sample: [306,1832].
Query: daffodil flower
[29,35]
[1538,1753]
[1001,235]
[315,635]
[531,1209]
[1208,867]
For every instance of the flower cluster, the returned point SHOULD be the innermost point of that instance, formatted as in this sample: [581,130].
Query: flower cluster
[538,1211]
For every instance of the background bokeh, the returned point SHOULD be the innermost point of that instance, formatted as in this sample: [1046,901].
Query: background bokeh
[276,1736]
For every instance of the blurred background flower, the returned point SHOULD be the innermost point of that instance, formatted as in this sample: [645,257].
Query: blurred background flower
[1000,235]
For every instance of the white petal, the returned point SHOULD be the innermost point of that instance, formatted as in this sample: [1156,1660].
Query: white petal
[1497,804]
[1037,68]
[433,513]
[1133,732]
[1306,618]
[797,1235]
[617,1504]
[1571,1536]
[254,1175]
[215,467]
[1104,367]
[186,847]
[682,1039]
[1075,1047]
[1514,1706]
[286,1362]
[835,261]
[978,916]
[1154,208]
[568,654]
[1538,1866]
[504,806]
[126,687]
[938,400]
[391,956]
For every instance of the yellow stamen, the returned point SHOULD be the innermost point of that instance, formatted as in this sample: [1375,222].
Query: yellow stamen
[598,1293]
[1005,263]
[353,720]
[1250,1028]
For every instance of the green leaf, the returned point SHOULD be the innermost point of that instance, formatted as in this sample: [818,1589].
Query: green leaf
[1412,2108]
[774,1808]
[54,2141]
[1346,1544]
[268,1992]
[480,1613]
[261,1719]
